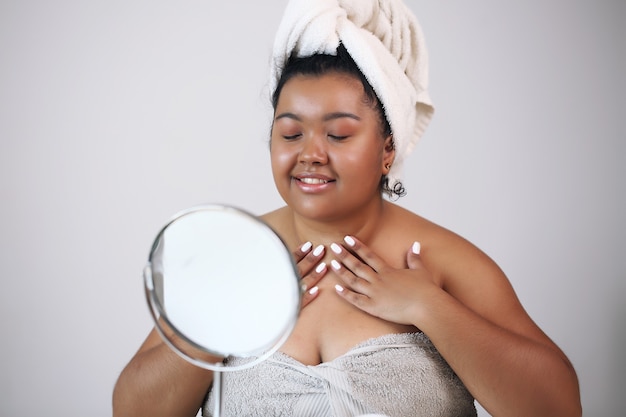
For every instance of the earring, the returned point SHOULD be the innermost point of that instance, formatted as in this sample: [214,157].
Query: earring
[387,166]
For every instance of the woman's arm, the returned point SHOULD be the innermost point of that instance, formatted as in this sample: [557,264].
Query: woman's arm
[157,382]
[476,322]
[511,366]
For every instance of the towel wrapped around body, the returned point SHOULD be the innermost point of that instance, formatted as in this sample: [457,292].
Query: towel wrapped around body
[396,375]
[384,39]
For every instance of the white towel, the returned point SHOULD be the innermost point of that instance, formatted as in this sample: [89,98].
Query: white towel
[386,42]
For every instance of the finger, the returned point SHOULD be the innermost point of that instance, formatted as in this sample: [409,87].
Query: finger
[351,280]
[358,300]
[309,284]
[309,296]
[365,253]
[354,264]
[308,261]
[311,279]
[413,256]
[301,252]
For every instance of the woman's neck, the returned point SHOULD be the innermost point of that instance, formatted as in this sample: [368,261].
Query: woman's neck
[363,225]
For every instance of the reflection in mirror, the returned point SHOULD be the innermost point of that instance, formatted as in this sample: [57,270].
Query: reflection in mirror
[219,283]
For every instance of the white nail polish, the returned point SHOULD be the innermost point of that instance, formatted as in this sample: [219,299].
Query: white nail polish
[318,250]
[349,240]
[313,291]
[335,248]
[336,265]
[306,247]
[320,267]
[339,288]
[416,248]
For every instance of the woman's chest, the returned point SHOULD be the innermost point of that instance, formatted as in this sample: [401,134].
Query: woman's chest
[329,327]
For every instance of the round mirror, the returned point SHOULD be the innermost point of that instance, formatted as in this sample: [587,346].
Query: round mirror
[220,282]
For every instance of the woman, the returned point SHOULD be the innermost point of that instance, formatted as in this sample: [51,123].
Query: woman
[400,316]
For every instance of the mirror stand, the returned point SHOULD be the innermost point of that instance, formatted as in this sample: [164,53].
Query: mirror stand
[218,379]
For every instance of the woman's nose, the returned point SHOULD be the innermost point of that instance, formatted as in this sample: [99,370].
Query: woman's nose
[313,150]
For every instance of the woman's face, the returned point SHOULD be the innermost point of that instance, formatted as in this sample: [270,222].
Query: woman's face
[328,153]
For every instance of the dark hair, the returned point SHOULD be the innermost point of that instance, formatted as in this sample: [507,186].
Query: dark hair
[321,64]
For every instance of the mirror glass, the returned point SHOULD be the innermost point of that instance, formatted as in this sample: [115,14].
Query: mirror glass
[220,282]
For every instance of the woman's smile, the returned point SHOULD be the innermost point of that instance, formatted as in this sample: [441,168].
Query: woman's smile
[313,183]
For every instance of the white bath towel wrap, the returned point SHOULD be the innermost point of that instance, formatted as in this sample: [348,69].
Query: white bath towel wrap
[385,40]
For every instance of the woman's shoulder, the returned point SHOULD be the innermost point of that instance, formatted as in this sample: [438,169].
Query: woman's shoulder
[414,226]
[442,249]
[276,218]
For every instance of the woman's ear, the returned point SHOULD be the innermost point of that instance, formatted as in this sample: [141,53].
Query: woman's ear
[389,153]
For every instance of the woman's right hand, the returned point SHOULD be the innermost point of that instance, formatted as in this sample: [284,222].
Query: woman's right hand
[311,271]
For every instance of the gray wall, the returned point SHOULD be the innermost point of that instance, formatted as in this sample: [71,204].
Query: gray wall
[115,115]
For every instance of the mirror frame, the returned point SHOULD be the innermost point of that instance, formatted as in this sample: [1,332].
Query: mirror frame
[169,332]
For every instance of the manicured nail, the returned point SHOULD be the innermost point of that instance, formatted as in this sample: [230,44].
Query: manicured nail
[313,290]
[339,288]
[335,248]
[416,248]
[303,287]
[320,267]
[318,250]
[306,247]
[349,240]
[336,265]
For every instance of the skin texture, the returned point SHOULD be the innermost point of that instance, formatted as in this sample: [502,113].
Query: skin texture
[328,157]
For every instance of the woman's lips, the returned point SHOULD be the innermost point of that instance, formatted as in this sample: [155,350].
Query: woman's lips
[315,183]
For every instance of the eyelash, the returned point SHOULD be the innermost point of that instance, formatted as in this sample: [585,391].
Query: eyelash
[291,137]
[296,136]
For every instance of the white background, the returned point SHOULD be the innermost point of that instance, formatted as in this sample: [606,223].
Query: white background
[115,114]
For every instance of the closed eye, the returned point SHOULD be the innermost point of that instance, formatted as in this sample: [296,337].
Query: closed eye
[337,137]
[291,137]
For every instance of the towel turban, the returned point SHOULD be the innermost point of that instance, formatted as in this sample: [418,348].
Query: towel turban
[385,40]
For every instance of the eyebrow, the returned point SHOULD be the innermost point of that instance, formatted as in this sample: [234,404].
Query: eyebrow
[330,116]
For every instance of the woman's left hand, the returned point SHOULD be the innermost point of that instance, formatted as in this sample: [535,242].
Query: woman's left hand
[375,287]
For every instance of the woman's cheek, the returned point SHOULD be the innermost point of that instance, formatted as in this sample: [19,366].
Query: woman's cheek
[282,157]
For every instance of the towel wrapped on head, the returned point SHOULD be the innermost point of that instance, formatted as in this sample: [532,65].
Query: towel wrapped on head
[385,40]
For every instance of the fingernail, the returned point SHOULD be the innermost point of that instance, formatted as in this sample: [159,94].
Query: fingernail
[306,247]
[416,248]
[335,265]
[335,248]
[313,290]
[318,250]
[303,287]
[339,288]
[349,240]
[320,267]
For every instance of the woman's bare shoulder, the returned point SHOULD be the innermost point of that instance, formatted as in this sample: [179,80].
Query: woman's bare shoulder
[407,223]
[443,250]
[279,221]
[275,217]
[461,268]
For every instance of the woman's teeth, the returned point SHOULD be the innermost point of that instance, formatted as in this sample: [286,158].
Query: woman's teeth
[313,181]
